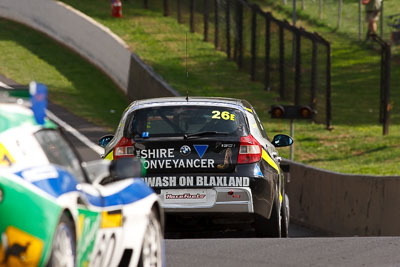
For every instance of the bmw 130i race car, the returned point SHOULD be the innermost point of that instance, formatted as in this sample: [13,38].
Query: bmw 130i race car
[207,158]
[57,211]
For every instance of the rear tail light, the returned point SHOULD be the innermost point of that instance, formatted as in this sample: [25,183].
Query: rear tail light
[250,150]
[124,148]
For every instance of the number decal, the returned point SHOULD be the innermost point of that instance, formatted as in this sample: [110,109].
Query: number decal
[104,252]
[216,114]
[225,115]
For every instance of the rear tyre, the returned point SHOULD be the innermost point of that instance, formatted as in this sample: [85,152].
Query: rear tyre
[269,227]
[285,216]
[63,250]
[152,248]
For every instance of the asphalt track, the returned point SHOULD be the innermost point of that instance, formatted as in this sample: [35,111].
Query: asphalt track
[304,247]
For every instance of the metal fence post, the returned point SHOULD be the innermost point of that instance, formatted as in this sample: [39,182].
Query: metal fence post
[267,80]
[146,4]
[387,107]
[339,21]
[381,21]
[216,27]
[314,67]
[228,28]
[281,62]
[297,67]
[206,13]
[165,5]
[320,9]
[360,19]
[239,38]
[382,85]
[178,11]
[192,16]
[253,42]
[328,86]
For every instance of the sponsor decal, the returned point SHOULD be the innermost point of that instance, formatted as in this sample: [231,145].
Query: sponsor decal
[185,150]
[165,158]
[200,149]
[155,153]
[257,171]
[185,196]
[88,226]
[19,248]
[227,145]
[227,159]
[199,180]
[179,163]
[111,219]
[40,173]
[5,157]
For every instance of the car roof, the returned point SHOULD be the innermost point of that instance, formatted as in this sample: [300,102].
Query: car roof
[196,100]
[15,107]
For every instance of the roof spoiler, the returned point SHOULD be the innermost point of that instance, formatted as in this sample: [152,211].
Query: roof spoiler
[35,92]
[18,91]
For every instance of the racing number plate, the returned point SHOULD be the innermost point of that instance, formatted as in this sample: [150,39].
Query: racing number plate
[183,196]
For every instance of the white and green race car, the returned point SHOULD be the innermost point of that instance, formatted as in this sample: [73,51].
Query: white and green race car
[56,210]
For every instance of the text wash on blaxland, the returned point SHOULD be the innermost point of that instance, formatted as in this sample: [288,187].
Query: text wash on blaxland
[174,181]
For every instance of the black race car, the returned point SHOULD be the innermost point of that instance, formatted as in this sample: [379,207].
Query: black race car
[207,158]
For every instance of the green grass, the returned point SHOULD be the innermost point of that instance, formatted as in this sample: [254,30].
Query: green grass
[27,55]
[355,145]
[349,26]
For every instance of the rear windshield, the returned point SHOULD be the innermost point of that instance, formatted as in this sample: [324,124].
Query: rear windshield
[180,120]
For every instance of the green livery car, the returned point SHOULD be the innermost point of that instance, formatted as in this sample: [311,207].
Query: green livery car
[58,211]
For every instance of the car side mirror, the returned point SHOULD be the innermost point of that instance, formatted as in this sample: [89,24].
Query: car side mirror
[124,168]
[103,141]
[281,140]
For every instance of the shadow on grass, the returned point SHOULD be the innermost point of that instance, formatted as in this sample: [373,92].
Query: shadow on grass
[87,90]
[353,155]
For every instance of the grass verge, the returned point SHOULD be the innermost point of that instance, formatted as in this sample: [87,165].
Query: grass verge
[73,83]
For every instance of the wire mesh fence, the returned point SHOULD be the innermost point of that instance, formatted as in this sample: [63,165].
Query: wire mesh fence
[289,60]
[346,16]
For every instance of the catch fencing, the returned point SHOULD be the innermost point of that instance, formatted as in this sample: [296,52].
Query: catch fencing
[287,59]
[384,106]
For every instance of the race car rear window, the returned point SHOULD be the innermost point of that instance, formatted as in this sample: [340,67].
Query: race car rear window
[180,120]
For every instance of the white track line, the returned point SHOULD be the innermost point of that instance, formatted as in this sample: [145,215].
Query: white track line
[5,85]
[99,150]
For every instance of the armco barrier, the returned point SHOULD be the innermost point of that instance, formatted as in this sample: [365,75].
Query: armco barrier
[90,39]
[343,204]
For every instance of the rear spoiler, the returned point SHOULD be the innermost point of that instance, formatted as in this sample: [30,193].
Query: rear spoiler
[35,93]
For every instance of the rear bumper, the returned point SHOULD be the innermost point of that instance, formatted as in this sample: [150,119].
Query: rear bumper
[219,199]
[252,195]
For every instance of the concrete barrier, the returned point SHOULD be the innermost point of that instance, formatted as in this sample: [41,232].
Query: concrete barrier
[343,204]
[145,83]
[77,31]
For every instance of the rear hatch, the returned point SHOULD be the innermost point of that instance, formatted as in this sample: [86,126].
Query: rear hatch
[187,139]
